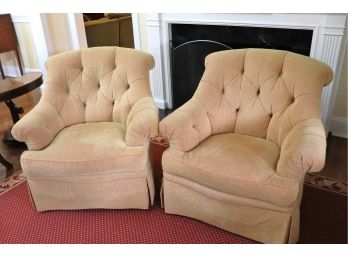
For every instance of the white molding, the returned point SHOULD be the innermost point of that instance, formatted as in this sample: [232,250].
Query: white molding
[333,31]
[31,70]
[330,55]
[20,18]
[44,31]
[328,31]
[241,24]
[166,28]
[156,74]
[339,126]
[42,41]
[77,31]
[160,103]
[136,31]
[13,70]
[333,54]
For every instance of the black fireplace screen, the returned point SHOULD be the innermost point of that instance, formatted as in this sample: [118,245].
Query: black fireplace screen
[190,45]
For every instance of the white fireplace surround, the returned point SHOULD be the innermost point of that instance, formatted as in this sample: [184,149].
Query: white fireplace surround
[328,32]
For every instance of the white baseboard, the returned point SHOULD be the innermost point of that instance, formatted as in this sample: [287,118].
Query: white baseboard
[161,104]
[13,71]
[339,126]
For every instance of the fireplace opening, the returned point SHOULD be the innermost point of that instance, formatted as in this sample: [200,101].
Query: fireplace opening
[190,44]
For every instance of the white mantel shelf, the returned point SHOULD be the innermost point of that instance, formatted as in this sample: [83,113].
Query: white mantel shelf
[328,32]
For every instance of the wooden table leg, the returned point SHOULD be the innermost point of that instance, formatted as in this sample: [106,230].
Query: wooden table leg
[4,162]
[2,72]
[15,110]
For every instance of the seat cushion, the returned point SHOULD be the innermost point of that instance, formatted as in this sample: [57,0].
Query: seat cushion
[235,164]
[89,148]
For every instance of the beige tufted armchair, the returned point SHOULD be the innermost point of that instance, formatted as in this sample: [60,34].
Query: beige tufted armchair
[88,136]
[240,148]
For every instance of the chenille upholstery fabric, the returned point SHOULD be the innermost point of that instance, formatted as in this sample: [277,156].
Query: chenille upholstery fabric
[88,137]
[240,147]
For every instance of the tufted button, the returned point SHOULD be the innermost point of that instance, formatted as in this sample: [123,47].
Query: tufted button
[237,110]
[98,85]
[242,71]
[223,91]
[293,100]
[280,73]
[258,91]
[84,105]
[270,115]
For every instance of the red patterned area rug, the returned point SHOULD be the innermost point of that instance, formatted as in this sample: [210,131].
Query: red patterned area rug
[326,183]
[20,223]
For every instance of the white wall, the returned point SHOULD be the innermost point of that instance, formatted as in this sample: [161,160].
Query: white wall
[59,33]
[143,31]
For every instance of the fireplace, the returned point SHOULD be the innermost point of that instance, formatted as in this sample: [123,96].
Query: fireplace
[327,31]
[191,43]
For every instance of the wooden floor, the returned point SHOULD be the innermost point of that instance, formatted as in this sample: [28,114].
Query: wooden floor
[336,159]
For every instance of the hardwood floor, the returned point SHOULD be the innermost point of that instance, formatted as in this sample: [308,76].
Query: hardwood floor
[336,159]
[323,217]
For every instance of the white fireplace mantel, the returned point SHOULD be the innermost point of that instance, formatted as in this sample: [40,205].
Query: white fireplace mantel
[328,32]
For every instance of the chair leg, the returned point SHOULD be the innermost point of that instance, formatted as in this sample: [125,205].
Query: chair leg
[2,71]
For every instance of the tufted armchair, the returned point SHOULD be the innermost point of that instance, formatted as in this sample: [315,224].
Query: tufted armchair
[240,147]
[88,136]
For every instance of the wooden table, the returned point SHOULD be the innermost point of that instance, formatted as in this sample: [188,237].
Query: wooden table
[11,88]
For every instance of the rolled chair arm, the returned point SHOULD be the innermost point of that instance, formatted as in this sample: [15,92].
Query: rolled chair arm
[303,149]
[186,127]
[142,121]
[38,127]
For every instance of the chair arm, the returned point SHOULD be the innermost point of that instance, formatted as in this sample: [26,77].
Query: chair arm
[303,149]
[186,127]
[142,121]
[38,127]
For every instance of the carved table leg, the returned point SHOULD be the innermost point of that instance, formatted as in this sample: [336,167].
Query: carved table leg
[15,111]
[2,72]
